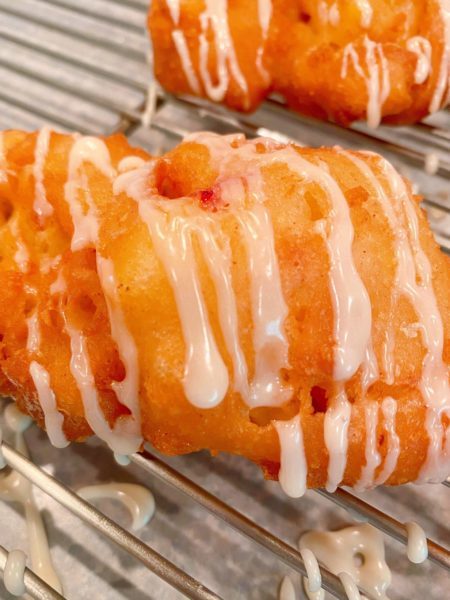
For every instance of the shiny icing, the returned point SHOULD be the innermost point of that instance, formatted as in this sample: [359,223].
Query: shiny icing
[16,488]
[214,21]
[136,498]
[14,572]
[421,47]
[41,205]
[375,73]
[356,554]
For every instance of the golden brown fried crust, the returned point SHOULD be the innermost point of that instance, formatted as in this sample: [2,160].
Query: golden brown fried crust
[169,421]
[303,56]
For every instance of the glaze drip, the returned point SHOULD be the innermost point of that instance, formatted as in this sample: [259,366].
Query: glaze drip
[214,22]
[42,206]
[338,551]
[136,498]
[16,488]
[376,79]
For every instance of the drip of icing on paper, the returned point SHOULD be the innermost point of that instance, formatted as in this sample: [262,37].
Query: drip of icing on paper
[355,554]
[16,488]
[136,498]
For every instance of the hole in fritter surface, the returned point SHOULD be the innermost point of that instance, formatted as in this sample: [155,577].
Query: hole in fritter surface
[319,399]
[304,17]
[164,184]
[85,305]
[6,210]
[81,310]
[263,415]
[359,559]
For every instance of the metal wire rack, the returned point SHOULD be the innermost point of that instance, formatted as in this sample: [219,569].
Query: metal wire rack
[82,64]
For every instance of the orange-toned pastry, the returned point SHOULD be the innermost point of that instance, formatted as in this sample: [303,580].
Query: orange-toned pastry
[344,60]
[286,304]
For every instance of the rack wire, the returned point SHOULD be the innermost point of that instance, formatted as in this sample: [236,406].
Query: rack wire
[82,64]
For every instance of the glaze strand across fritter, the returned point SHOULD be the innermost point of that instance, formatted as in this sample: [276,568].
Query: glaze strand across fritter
[286,304]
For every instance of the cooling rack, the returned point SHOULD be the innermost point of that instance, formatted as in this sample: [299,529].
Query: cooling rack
[82,65]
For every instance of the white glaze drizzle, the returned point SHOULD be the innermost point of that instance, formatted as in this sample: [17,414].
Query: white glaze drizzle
[127,390]
[293,465]
[386,205]
[336,424]
[417,546]
[3,173]
[351,302]
[217,255]
[264,16]
[413,279]
[377,79]
[334,16]
[2,458]
[373,458]
[171,226]
[34,333]
[416,283]
[440,98]
[431,163]
[122,459]
[47,263]
[287,589]
[349,585]
[421,47]
[329,14]
[174,9]
[180,43]
[123,438]
[206,378]
[337,550]
[150,104]
[313,581]
[16,488]
[350,299]
[215,16]
[269,309]
[129,163]
[389,410]
[14,572]
[59,286]
[370,375]
[84,150]
[136,498]
[54,420]
[21,256]
[41,205]
[366,10]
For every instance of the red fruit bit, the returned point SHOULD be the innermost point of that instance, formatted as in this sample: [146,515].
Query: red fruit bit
[210,199]
[206,197]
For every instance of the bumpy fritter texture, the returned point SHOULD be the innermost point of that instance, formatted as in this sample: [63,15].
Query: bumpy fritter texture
[169,421]
[346,60]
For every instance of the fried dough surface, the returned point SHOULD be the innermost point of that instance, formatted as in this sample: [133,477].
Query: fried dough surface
[100,294]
